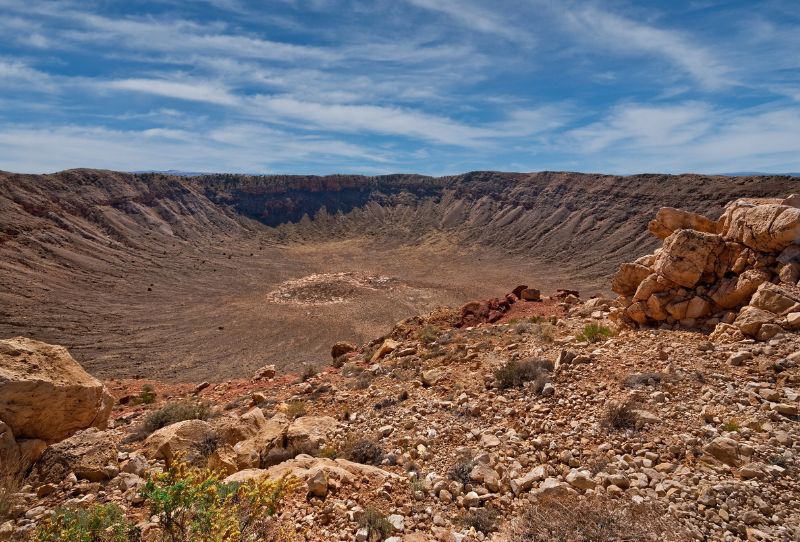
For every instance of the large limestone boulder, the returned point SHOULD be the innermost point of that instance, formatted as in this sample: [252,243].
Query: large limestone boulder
[769,227]
[669,220]
[775,299]
[751,319]
[45,394]
[319,473]
[628,278]
[90,454]
[233,429]
[687,255]
[734,292]
[311,430]
[194,439]
[252,453]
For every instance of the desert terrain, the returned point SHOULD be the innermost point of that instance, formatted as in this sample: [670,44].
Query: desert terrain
[209,278]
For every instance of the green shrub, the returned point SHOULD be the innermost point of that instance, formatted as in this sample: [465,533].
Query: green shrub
[295,409]
[514,373]
[176,412]
[594,333]
[731,426]
[147,396]
[100,523]
[194,505]
[378,527]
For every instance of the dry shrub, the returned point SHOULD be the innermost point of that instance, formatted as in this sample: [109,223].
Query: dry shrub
[295,409]
[460,469]
[513,374]
[483,520]
[363,450]
[593,519]
[620,416]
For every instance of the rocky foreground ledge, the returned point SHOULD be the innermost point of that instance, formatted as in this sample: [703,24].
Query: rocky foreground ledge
[510,420]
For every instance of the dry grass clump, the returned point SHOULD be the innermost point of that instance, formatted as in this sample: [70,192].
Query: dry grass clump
[460,469]
[620,416]
[592,519]
[295,409]
[483,520]
[513,374]
[378,527]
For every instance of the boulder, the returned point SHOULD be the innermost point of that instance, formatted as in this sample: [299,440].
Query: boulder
[90,454]
[386,348]
[341,348]
[531,294]
[668,220]
[724,449]
[192,438]
[687,256]
[304,467]
[265,373]
[768,227]
[629,277]
[311,431]
[751,319]
[734,292]
[773,298]
[45,394]
[233,429]
[698,307]
[252,452]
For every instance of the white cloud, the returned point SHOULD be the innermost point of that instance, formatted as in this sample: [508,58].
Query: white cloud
[627,36]
[247,148]
[195,91]
[475,17]
[690,136]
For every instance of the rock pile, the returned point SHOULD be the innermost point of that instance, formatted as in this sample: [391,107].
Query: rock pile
[738,273]
[492,310]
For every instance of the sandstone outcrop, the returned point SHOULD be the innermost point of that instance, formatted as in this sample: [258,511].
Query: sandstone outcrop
[740,272]
[45,394]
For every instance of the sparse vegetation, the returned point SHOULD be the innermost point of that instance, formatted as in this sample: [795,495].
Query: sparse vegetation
[428,334]
[483,520]
[174,413]
[620,416]
[309,372]
[99,523]
[514,373]
[195,505]
[460,469]
[295,409]
[594,333]
[147,396]
[378,527]
[731,426]
[362,450]
[592,519]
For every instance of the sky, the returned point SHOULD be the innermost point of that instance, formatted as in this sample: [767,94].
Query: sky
[383,86]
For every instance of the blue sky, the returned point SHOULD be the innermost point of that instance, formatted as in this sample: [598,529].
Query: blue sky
[381,86]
